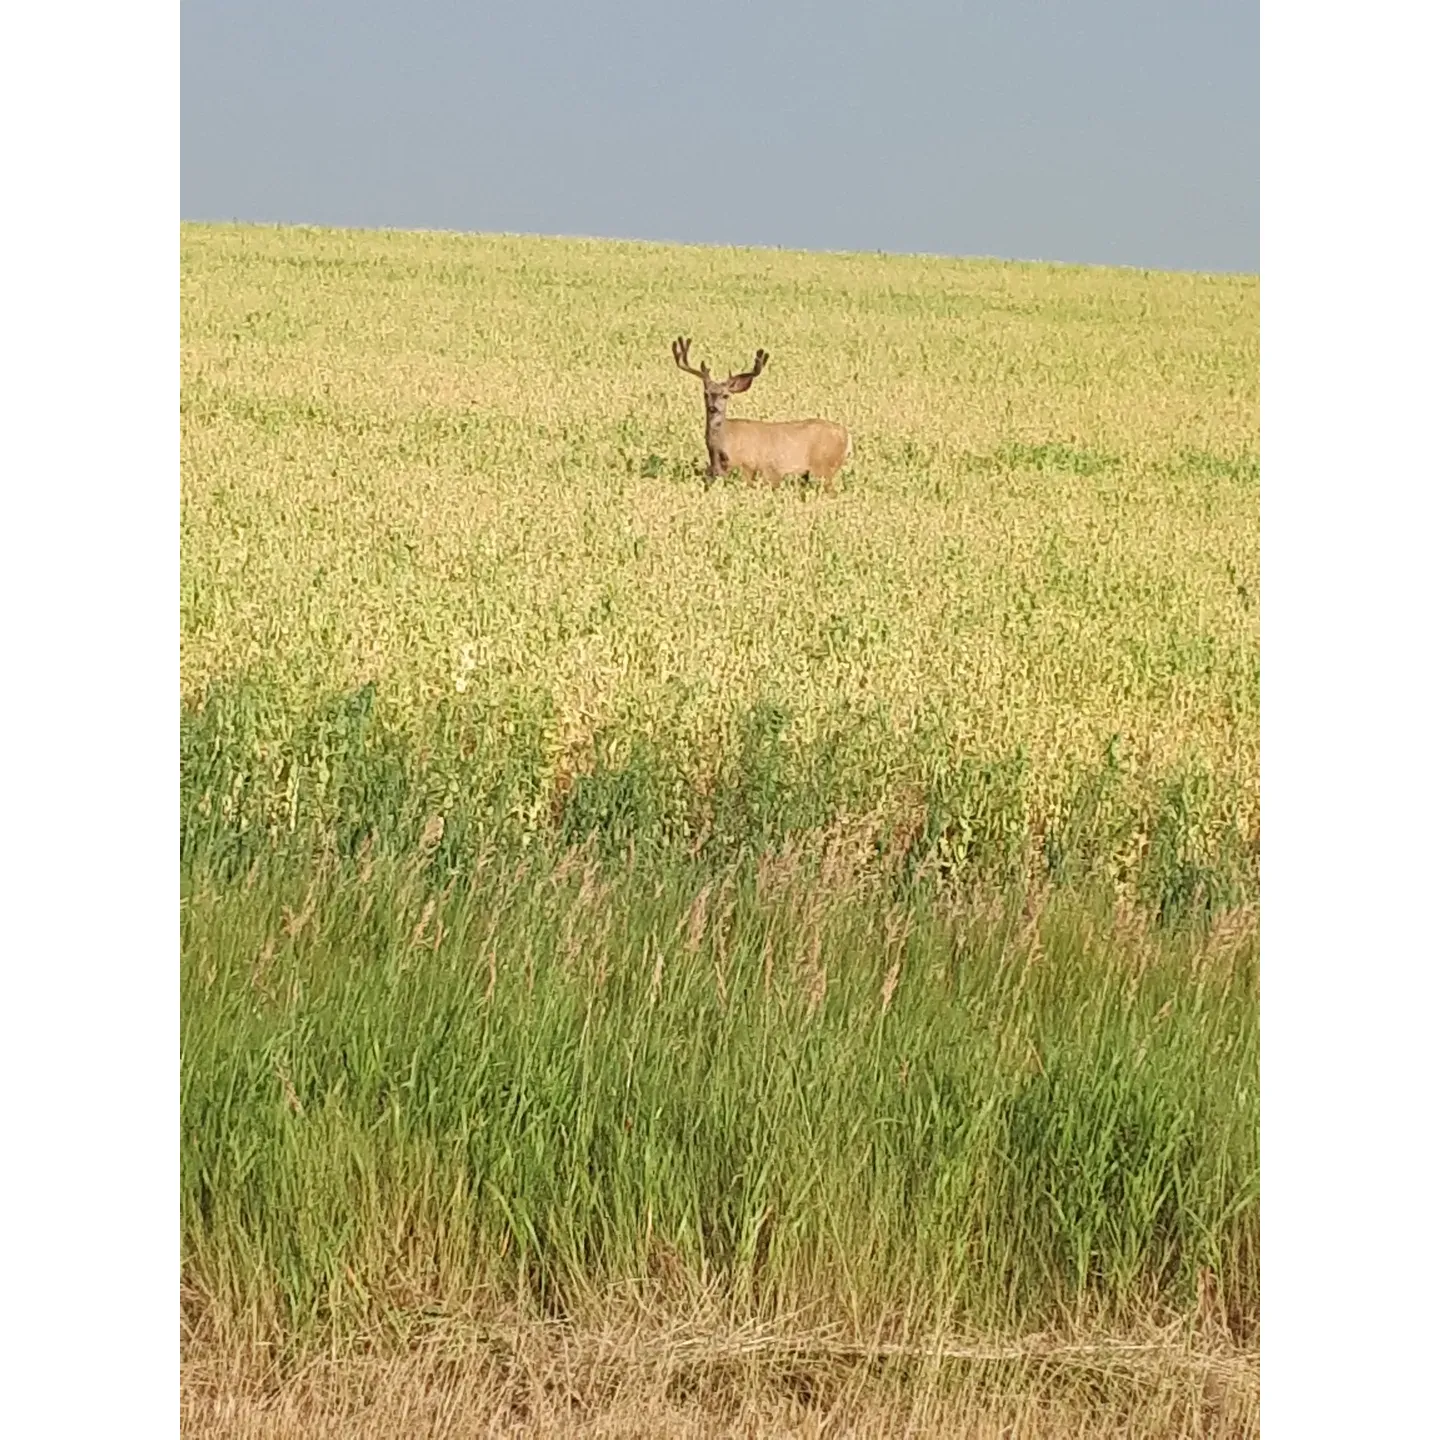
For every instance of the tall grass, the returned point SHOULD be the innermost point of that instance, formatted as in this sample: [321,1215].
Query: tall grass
[772,1083]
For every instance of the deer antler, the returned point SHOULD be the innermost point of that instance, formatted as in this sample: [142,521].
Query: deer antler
[741,381]
[681,351]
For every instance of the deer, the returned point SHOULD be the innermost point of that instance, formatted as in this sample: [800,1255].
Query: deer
[763,449]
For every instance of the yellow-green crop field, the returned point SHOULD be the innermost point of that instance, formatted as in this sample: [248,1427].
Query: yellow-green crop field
[466,469]
[628,930]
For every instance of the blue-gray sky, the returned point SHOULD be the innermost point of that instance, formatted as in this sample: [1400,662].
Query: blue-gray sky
[1097,131]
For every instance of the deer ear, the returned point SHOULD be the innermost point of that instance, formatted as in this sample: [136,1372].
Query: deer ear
[739,383]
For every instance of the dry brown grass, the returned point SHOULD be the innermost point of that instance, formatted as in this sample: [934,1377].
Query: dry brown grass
[639,1378]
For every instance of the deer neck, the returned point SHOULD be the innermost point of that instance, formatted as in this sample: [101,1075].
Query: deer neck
[715,440]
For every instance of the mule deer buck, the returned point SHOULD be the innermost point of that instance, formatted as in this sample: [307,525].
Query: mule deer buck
[763,449]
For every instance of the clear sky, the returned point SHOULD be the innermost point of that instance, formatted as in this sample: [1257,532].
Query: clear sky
[1098,131]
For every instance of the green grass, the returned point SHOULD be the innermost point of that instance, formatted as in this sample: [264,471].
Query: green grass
[400,1100]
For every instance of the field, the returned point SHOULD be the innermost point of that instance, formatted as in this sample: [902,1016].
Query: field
[701,958]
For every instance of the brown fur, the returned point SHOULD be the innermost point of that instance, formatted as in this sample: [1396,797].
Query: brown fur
[775,449]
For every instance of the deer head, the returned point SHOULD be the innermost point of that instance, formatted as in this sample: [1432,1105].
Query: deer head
[717,392]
